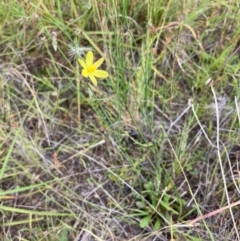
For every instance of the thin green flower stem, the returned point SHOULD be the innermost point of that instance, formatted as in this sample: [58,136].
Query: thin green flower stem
[78,93]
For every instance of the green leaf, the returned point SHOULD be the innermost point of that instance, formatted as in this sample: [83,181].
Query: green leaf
[64,235]
[140,204]
[148,186]
[145,221]
[165,205]
[157,224]
[33,212]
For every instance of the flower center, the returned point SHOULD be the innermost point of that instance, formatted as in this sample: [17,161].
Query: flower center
[91,69]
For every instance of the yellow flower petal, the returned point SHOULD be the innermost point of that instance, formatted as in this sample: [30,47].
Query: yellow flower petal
[98,63]
[85,73]
[82,63]
[93,79]
[89,58]
[101,74]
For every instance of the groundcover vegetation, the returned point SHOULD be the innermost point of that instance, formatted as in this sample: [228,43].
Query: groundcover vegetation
[119,120]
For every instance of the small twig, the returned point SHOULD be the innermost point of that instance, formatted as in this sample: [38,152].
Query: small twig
[208,215]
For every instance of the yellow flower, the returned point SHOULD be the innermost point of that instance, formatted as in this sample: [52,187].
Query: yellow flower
[90,69]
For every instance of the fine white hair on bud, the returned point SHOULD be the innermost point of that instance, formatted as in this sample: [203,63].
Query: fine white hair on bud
[76,51]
